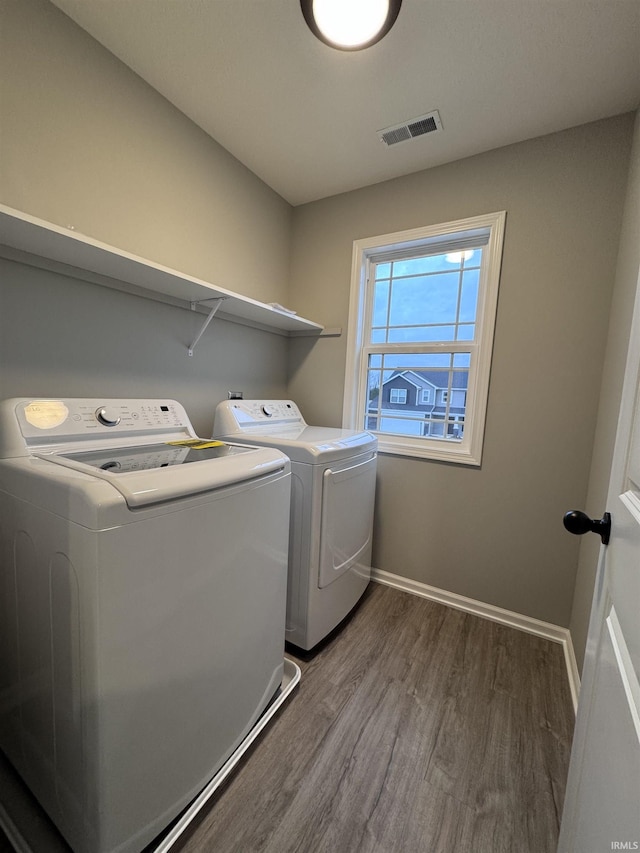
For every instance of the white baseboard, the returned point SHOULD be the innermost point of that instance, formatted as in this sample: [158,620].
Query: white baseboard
[555,633]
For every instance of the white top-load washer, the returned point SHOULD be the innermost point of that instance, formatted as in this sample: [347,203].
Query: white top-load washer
[332,500]
[142,608]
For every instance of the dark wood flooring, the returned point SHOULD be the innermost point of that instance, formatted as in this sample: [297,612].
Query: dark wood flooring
[415,728]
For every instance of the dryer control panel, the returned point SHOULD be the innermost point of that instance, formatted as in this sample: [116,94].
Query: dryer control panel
[240,415]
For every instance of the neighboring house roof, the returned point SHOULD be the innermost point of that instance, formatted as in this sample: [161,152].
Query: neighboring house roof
[432,378]
[413,378]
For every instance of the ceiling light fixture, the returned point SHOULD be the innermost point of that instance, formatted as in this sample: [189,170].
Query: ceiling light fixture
[350,24]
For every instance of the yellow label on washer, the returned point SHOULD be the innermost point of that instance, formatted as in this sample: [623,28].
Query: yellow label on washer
[46,414]
[196,443]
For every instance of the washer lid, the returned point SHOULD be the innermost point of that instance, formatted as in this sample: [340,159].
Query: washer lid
[151,474]
[146,457]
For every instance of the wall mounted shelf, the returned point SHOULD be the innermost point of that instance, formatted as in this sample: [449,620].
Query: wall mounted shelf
[39,243]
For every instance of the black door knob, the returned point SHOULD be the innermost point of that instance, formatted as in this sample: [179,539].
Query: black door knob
[579,522]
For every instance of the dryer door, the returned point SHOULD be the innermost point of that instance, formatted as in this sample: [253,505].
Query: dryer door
[348,494]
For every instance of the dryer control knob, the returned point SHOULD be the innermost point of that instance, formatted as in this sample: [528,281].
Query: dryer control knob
[269,411]
[107,417]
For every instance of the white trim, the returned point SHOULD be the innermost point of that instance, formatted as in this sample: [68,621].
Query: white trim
[573,673]
[546,630]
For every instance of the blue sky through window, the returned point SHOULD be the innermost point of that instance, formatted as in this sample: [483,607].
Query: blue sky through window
[426,299]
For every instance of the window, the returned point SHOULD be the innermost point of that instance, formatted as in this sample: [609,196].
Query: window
[398,395]
[422,314]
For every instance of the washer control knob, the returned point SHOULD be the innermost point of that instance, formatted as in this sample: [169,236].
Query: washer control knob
[107,417]
[269,411]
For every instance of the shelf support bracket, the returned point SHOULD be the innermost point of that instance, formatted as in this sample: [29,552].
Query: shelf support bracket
[216,304]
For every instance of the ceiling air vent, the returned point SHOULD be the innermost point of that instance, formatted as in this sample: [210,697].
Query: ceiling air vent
[410,129]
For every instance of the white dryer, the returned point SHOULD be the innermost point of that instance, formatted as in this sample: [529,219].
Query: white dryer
[332,501]
[142,608]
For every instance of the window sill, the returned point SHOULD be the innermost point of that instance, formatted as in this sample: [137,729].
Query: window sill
[457,456]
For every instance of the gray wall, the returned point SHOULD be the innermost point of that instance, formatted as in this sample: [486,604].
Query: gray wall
[494,534]
[86,142]
[627,272]
[62,337]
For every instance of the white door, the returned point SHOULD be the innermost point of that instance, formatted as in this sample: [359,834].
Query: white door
[602,806]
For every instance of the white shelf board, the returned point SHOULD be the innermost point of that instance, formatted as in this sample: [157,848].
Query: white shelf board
[24,233]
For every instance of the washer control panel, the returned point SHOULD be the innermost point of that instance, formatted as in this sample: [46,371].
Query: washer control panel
[54,421]
[107,417]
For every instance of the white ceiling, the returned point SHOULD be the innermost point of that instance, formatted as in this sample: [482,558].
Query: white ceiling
[303,116]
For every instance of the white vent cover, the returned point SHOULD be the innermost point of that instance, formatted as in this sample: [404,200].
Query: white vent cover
[429,123]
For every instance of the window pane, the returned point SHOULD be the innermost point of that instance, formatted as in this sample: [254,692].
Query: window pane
[432,359]
[469,296]
[425,299]
[401,426]
[466,332]
[381,303]
[451,430]
[417,266]
[374,381]
[378,336]
[427,399]
[383,271]
[421,334]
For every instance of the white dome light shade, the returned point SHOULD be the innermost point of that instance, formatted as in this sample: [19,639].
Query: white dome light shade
[350,24]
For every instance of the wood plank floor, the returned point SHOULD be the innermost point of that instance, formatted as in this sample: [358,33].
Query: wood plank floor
[415,728]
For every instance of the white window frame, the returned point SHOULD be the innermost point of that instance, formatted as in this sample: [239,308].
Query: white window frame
[425,396]
[449,236]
